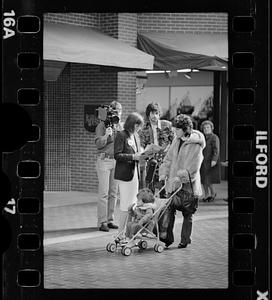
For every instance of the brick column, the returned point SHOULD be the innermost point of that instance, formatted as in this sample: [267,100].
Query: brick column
[127,32]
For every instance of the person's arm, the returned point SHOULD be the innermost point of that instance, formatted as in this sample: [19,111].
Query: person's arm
[119,143]
[131,209]
[142,138]
[194,164]
[198,138]
[103,136]
[215,148]
[148,215]
[165,166]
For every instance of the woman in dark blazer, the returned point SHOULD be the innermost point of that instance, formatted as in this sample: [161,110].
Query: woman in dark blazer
[210,168]
[127,152]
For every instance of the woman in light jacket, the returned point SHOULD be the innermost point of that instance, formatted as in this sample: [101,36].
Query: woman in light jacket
[185,155]
[127,152]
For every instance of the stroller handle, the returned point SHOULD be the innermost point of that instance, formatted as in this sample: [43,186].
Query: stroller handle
[176,191]
[169,200]
[162,187]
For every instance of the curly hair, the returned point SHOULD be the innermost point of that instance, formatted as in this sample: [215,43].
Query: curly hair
[153,107]
[183,121]
[146,195]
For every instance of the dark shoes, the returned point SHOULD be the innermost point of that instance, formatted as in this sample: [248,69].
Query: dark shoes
[112,225]
[167,245]
[107,226]
[213,197]
[104,227]
[181,245]
[209,199]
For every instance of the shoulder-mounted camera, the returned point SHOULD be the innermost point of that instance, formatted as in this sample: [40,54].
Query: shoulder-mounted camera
[108,115]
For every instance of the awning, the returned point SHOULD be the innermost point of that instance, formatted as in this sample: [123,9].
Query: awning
[70,43]
[173,51]
[52,69]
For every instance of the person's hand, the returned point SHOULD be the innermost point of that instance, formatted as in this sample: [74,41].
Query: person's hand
[162,177]
[175,182]
[213,163]
[109,131]
[137,156]
[143,157]
[141,223]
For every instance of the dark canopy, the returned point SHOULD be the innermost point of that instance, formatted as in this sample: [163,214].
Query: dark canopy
[174,51]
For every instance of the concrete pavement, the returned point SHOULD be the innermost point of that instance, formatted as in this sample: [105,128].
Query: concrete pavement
[75,254]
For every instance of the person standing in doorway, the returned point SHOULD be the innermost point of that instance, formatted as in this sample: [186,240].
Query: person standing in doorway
[105,166]
[127,152]
[210,168]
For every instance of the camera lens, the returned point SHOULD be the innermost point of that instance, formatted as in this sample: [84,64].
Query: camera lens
[115,119]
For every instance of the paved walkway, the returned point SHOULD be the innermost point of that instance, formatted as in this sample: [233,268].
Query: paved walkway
[75,254]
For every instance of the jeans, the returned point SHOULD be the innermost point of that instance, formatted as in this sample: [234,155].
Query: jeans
[107,190]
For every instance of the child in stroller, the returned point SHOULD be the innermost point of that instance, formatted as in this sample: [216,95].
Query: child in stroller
[139,226]
[141,213]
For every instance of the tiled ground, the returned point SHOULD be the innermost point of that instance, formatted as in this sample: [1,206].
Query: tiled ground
[75,254]
[86,263]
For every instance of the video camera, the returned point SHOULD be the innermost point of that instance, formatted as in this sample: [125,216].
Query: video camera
[108,115]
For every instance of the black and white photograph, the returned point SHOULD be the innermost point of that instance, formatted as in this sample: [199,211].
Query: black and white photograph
[135,150]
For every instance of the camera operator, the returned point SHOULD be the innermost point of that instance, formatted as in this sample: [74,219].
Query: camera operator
[105,165]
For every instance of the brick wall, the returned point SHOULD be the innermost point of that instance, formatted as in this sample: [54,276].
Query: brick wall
[88,85]
[69,148]
[127,32]
[127,25]
[57,133]
[109,24]
[85,20]
[183,22]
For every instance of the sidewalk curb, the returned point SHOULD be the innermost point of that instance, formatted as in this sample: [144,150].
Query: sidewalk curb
[98,234]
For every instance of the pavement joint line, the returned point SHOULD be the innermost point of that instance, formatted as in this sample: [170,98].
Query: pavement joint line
[81,236]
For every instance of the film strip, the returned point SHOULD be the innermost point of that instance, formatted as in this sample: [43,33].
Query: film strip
[23,154]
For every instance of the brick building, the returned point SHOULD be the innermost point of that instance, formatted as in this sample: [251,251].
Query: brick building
[69,148]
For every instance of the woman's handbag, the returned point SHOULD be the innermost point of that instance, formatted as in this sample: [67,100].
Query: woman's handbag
[186,201]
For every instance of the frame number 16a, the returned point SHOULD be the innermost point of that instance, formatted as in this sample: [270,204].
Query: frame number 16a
[8,23]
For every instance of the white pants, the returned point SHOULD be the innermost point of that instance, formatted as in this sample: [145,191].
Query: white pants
[128,191]
[128,196]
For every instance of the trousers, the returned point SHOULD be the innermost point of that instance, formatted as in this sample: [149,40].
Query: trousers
[107,190]
[166,225]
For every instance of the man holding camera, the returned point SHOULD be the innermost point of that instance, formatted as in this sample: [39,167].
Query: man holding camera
[105,165]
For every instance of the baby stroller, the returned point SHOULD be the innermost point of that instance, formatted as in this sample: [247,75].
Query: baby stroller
[140,238]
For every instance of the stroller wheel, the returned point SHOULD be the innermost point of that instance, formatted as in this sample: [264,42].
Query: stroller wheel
[158,248]
[111,247]
[143,244]
[126,251]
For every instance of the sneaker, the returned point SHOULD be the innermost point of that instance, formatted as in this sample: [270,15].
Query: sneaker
[104,227]
[111,225]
